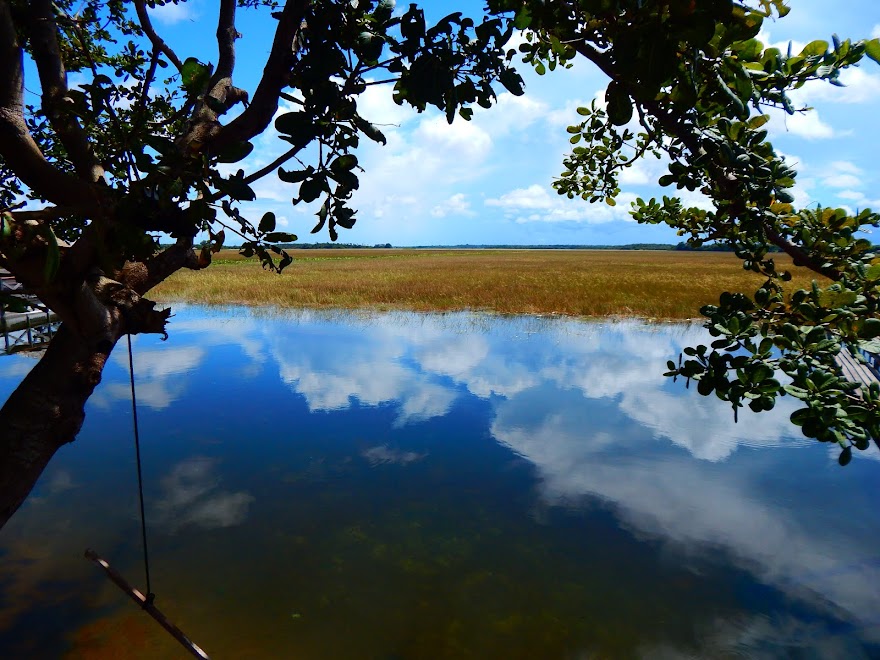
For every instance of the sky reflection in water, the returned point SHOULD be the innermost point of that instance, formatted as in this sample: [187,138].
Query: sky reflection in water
[401,485]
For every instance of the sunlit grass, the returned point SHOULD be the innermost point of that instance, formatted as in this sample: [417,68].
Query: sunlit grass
[659,285]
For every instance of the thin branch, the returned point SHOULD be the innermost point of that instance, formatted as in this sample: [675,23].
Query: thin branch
[147,26]
[141,104]
[53,81]
[17,146]
[264,103]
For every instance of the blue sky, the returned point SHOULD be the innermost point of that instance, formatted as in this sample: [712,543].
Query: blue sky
[488,181]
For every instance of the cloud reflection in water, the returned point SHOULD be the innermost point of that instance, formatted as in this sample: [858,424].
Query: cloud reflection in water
[585,403]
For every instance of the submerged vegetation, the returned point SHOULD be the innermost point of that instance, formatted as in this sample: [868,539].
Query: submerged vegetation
[658,285]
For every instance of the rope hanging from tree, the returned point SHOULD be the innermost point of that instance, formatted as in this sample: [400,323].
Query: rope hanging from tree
[145,602]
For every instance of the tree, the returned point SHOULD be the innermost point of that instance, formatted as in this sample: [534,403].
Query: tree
[695,83]
[138,150]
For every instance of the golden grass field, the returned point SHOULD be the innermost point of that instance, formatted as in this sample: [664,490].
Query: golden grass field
[646,284]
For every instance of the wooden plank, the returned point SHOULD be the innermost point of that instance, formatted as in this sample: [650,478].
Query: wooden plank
[853,370]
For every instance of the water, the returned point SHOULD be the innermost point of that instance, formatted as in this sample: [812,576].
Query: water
[438,486]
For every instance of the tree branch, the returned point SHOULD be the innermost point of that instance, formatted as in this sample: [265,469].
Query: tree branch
[147,26]
[800,256]
[17,146]
[143,276]
[264,103]
[53,80]
[226,36]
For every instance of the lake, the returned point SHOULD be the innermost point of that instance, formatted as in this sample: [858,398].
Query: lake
[340,485]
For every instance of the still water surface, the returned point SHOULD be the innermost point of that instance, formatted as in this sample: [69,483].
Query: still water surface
[329,485]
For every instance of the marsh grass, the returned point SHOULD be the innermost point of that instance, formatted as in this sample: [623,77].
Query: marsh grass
[655,285]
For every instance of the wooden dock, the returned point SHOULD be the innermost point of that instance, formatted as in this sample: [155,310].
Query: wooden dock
[856,371]
[31,329]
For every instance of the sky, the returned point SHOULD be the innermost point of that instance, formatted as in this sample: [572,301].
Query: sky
[489,181]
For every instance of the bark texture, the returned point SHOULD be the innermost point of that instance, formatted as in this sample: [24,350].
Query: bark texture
[45,412]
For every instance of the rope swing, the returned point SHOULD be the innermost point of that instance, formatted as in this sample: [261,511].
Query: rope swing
[145,602]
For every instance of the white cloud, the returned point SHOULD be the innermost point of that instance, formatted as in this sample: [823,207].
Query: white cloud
[537,204]
[191,496]
[843,174]
[875,33]
[171,13]
[808,125]
[160,376]
[510,113]
[842,181]
[859,87]
[457,205]
[860,199]
[783,46]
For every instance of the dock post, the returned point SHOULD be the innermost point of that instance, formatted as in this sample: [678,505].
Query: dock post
[30,335]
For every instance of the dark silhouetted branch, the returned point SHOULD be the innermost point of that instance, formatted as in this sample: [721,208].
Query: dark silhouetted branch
[53,81]
[17,146]
[264,103]
[147,26]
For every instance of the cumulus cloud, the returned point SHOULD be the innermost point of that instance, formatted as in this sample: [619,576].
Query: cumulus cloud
[537,203]
[191,495]
[369,372]
[808,125]
[171,13]
[843,174]
[671,499]
[860,199]
[457,204]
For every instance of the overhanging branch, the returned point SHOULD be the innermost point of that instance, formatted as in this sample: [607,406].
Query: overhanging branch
[264,103]
[17,146]
[147,26]
[728,186]
[226,36]
[53,81]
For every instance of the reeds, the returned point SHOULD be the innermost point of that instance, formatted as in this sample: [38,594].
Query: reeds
[647,284]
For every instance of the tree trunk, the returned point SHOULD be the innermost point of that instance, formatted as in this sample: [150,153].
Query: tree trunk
[45,412]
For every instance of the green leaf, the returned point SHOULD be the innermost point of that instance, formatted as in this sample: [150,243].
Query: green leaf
[5,225]
[845,457]
[53,253]
[267,223]
[872,49]
[815,48]
[279,237]
[194,75]
[311,189]
[620,108]
[512,82]
[234,152]
[370,131]
[870,329]
[295,176]
[344,163]
[295,123]
[369,47]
